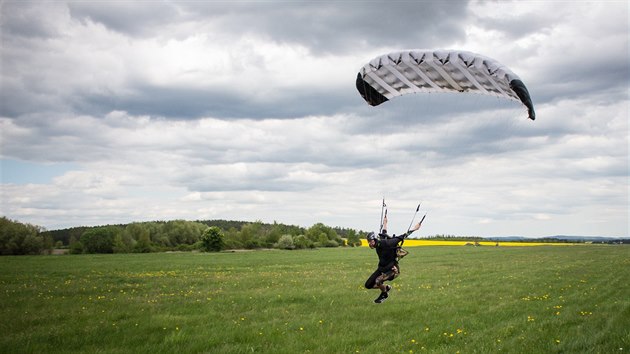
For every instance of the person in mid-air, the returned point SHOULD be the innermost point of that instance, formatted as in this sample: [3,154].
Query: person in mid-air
[387,250]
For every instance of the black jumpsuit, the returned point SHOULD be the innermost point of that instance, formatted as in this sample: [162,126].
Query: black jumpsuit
[386,251]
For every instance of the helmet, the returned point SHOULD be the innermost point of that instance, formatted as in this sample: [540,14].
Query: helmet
[370,236]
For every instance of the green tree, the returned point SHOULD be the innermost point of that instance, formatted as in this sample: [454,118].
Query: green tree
[18,238]
[31,244]
[125,241]
[212,239]
[249,236]
[76,247]
[323,236]
[231,238]
[143,244]
[285,242]
[122,243]
[274,234]
[99,239]
[353,238]
[183,232]
[47,243]
[322,240]
[301,242]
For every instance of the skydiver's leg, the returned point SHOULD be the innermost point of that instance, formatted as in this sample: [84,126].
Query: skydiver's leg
[384,289]
[393,274]
[388,276]
[370,283]
[381,279]
[380,282]
[375,281]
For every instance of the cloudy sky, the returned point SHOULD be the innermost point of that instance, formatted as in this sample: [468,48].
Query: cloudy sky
[122,111]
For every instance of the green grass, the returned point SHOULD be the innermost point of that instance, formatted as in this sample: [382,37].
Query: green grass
[447,300]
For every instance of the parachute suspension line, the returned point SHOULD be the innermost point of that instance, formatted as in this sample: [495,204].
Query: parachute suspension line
[392,91]
[383,208]
[414,217]
[445,76]
[471,78]
[425,77]
[422,220]
[496,86]
[400,251]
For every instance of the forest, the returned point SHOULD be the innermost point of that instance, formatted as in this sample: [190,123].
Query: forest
[18,238]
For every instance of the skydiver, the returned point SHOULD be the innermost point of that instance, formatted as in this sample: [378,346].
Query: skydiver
[388,268]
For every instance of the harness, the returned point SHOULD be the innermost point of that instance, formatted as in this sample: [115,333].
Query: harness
[395,269]
[401,252]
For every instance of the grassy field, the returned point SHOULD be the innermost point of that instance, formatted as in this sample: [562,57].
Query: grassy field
[447,300]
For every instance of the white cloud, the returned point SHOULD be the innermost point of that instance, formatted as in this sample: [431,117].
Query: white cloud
[184,112]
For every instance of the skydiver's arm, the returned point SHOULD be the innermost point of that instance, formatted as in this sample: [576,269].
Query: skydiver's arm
[412,230]
[384,231]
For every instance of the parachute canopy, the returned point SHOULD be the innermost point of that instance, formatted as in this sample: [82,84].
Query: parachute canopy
[399,73]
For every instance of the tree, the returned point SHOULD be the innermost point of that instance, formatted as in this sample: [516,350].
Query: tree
[125,241]
[99,240]
[18,238]
[249,236]
[144,243]
[31,244]
[48,243]
[76,247]
[323,236]
[301,242]
[122,243]
[212,240]
[285,242]
[274,234]
[231,239]
[182,232]
[353,239]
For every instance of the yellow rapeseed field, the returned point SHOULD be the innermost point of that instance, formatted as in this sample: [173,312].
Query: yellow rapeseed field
[417,243]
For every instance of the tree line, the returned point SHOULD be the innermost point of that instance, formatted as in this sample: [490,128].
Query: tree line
[175,235]
[18,238]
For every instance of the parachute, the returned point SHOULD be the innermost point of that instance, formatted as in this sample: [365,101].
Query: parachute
[400,73]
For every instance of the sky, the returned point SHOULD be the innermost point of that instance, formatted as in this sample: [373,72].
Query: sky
[121,111]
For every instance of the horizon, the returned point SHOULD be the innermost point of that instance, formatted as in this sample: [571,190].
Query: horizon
[412,236]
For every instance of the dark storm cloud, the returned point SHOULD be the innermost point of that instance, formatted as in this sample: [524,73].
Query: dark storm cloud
[338,27]
[518,26]
[268,177]
[323,26]
[187,103]
[18,19]
[56,137]
[576,77]
[127,17]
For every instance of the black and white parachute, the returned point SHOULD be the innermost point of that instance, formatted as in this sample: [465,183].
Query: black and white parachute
[414,71]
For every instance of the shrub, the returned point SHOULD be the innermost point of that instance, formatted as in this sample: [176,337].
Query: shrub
[301,242]
[99,240]
[212,240]
[18,238]
[330,243]
[285,242]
